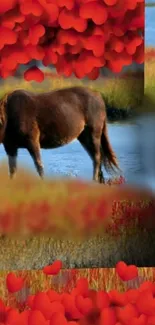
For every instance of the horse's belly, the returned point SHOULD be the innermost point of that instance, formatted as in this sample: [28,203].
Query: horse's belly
[58,137]
[48,143]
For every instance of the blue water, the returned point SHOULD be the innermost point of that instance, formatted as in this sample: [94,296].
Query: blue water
[150,25]
[71,160]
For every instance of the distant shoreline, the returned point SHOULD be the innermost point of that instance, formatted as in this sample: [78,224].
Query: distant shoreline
[150,4]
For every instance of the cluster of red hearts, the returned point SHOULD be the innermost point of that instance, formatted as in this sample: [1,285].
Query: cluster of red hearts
[83,305]
[76,36]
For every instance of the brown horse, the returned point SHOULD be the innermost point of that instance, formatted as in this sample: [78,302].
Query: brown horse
[53,119]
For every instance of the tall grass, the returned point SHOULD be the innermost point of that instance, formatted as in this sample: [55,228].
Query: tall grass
[149,85]
[118,92]
[83,224]
[98,279]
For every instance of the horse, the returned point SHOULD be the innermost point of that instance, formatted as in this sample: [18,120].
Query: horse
[53,119]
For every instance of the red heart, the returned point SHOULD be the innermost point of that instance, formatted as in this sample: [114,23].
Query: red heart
[53,295]
[126,314]
[69,4]
[132,295]
[14,283]
[102,299]
[126,272]
[54,268]
[42,302]
[29,7]
[117,61]
[84,305]
[35,52]
[147,285]
[96,44]
[29,301]
[146,303]
[3,311]
[34,74]
[141,320]
[70,307]
[35,33]
[108,317]
[110,2]
[37,318]
[117,298]
[12,17]
[95,11]
[82,287]
[151,320]
[58,319]
[70,37]
[139,54]
[13,317]
[50,57]
[70,19]
[7,36]
[7,5]
[94,74]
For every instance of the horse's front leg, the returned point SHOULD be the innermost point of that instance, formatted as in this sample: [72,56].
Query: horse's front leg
[12,161]
[33,148]
[11,151]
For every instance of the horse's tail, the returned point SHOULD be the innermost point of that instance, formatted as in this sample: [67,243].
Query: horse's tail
[109,158]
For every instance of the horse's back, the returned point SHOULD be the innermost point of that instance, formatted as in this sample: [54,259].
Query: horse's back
[60,115]
[80,100]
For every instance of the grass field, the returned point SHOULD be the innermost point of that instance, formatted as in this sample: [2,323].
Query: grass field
[120,93]
[99,279]
[95,226]
[149,99]
[150,4]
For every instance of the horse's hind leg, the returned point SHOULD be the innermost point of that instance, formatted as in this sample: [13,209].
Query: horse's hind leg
[33,147]
[101,176]
[90,139]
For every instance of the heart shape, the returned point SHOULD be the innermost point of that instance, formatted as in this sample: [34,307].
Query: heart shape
[126,314]
[84,305]
[37,318]
[69,19]
[95,11]
[34,74]
[14,283]
[54,268]
[126,272]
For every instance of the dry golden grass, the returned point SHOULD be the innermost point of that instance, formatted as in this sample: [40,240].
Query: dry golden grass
[120,93]
[149,85]
[98,278]
[82,225]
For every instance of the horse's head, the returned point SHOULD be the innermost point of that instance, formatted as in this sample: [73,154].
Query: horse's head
[3,102]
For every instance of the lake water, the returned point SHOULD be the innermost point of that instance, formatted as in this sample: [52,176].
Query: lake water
[150,25]
[71,160]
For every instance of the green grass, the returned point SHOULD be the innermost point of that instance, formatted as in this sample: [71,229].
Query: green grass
[119,93]
[149,4]
[149,85]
